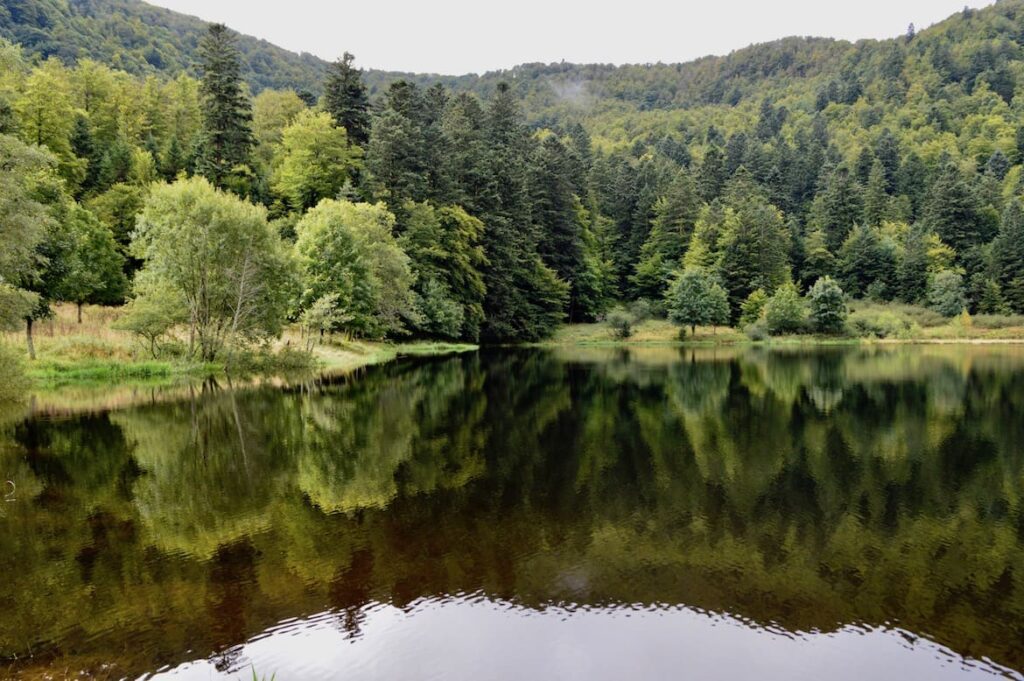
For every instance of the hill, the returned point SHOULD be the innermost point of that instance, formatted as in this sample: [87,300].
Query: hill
[140,38]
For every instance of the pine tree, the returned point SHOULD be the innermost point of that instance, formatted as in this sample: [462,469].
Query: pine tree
[865,264]
[912,271]
[952,211]
[555,218]
[753,244]
[1008,256]
[711,176]
[525,298]
[837,207]
[675,214]
[226,136]
[876,200]
[346,99]
[818,259]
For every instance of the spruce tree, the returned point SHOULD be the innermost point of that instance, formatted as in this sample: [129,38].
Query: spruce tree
[1008,256]
[226,139]
[837,207]
[876,200]
[346,99]
[952,210]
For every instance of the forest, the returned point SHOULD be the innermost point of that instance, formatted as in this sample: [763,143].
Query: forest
[764,190]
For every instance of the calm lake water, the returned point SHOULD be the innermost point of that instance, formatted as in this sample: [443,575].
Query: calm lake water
[596,514]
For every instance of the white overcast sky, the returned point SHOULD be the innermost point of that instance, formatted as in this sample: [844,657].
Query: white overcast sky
[473,36]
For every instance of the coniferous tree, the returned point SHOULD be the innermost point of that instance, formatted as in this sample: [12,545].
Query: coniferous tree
[675,215]
[952,211]
[876,200]
[912,271]
[865,263]
[346,99]
[555,218]
[1008,256]
[525,298]
[226,139]
[837,207]
[712,175]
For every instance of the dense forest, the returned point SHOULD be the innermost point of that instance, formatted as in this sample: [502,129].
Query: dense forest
[231,187]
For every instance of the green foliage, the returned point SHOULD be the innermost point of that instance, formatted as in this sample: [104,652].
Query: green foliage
[314,161]
[446,258]
[621,323]
[752,308]
[785,311]
[879,323]
[346,100]
[1008,256]
[218,254]
[865,261]
[695,298]
[95,265]
[226,139]
[946,293]
[151,316]
[348,250]
[827,304]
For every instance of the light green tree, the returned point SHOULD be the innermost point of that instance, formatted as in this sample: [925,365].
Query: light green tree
[314,160]
[785,312]
[348,249]
[695,298]
[827,306]
[218,253]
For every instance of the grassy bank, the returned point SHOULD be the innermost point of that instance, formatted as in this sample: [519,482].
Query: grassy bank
[93,353]
[868,323]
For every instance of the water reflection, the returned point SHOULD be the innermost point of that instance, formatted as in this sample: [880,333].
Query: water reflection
[786,509]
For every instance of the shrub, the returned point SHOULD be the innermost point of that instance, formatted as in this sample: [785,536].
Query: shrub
[784,312]
[753,307]
[757,331]
[878,323]
[998,321]
[644,309]
[946,293]
[828,306]
[621,324]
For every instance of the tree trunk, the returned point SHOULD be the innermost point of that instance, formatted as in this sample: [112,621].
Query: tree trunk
[693,329]
[28,337]
[79,313]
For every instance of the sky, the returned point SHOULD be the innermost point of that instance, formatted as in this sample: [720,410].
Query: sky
[472,36]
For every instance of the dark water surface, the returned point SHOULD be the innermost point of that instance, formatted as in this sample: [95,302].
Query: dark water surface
[591,514]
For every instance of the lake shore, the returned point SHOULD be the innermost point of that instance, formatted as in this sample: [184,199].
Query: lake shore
[662,332]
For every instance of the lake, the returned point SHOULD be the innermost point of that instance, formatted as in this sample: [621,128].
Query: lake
[662,513]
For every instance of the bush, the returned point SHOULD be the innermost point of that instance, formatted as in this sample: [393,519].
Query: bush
[644,309]
[784,312]
[758,331]
[946,293]
[876,323]
[621,324]
[753,307]
[998,321]
[828,306]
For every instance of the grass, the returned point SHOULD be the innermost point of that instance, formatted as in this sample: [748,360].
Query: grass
[89,364]
[869,322]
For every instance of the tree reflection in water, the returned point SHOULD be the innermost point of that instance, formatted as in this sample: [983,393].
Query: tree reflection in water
[802,491]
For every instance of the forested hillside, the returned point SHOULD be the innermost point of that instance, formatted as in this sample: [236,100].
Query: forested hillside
[498,206]
[142,39]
